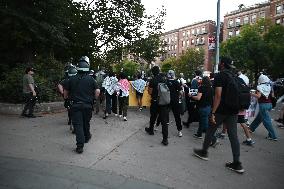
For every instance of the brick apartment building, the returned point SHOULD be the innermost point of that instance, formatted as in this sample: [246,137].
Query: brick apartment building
[233,21]
[192,36]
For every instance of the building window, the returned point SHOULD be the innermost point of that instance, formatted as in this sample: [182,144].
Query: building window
[262,14]
[238,21]
[193,31]
[202,40]
[175,54]
[198,31]
[183,34]
[278,21]
[230,34]
[187,43]
[253,18]
[192,41]
[203,29]
[231,23]
[187,33]
[246,20]
[183,43]
[278,9]
[197,41]
[175,47]
[237,32]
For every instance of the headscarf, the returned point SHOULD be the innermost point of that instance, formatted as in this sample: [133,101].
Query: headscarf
[110,84]
[123,85]
[264,86]
[139,85]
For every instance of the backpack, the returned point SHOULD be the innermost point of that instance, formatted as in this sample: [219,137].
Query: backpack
[237,94]
[164,95]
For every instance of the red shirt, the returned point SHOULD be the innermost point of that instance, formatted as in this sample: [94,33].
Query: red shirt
[263,99]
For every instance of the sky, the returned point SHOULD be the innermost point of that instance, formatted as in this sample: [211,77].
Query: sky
[185,12]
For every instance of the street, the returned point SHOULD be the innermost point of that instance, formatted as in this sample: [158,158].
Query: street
[39,153]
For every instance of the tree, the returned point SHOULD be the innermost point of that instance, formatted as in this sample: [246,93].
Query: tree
[274,39]
[249,50]
[168,64]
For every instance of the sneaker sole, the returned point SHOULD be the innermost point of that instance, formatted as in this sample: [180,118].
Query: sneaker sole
[237,171]
[203,158]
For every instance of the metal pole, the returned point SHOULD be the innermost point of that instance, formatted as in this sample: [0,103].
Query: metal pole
[217,37]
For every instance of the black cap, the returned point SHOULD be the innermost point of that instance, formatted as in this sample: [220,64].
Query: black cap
[30,69]
[228,63]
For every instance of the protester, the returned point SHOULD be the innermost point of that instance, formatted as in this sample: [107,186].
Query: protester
[123,97]
[192,107]
[139,85]
[155,108]
[222,114]
[205,100]
[81,89]
[264,95]
[110,86]
[29,93]
[176,92]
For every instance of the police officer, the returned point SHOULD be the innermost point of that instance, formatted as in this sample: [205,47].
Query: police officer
[29,93]
[81,89]
[70,71]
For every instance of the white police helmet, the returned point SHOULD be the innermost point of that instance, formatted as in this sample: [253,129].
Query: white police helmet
[84,64]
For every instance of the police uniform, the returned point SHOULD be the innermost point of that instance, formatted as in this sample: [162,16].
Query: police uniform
[81,91]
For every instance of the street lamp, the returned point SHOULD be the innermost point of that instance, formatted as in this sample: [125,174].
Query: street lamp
[217,37]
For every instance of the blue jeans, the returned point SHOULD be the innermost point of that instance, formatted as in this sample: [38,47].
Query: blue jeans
[203,119]
[263,116]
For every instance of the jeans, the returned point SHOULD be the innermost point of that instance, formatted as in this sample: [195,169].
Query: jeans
[163,113]
[111,103]
[203,119]
[176,111]
[123,105]
[264,117]
[30,101]
[81,121]
[231,122]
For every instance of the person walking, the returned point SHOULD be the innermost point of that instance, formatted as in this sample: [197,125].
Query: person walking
[81,89]
[139,85]
[155,108]
[264,95]
[176,92]
[123,97]
[110,86]
[29,93]
[204,102]
[222,113]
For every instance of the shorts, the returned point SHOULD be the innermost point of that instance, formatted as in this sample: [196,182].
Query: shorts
[139,94]
[241,119]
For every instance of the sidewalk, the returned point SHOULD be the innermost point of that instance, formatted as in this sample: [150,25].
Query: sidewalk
[38,153]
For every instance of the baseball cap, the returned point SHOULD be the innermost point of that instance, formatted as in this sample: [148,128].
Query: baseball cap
[228,63]
[30,69]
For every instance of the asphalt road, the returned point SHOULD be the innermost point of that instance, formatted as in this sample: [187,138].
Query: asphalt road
[39,153]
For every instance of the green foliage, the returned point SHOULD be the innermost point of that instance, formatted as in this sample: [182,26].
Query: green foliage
[187,63]
[258,47]
[129,67]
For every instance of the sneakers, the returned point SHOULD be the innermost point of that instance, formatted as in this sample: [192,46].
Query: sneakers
[235,166]
[197,136]
[279,120]
[156,127]
[269,138]
[221,135]
[248,142]
[281,126]
[201,154]
[165,142]
[115,115]
[140,109]
[214,144]
[149,131]
[79,150]
[180,134]
[124,118]
[120,116]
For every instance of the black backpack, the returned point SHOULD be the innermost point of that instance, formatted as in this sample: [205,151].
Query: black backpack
[237,94]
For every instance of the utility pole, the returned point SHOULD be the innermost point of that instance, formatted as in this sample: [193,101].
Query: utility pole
[217,37]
